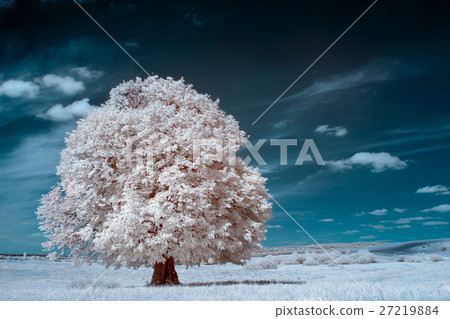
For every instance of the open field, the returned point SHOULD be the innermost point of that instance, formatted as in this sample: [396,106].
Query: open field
[417,272]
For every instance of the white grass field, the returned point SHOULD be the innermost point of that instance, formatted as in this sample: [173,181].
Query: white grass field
[418,271]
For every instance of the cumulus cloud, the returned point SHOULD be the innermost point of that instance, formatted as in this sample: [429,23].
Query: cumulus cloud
[444,208]
[18,88]
[434,223]
[403,221]
[327,220]
[436,189]
[59,113]
[399,210]
[379,162]
[404,226]
[379,212]
[85,73]
[67,84]
[367,237]
[409,220]
[350,232]
[337,131]
[379,227]
[376,212]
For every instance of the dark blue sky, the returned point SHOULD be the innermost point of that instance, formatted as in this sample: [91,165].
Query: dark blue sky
[382,91]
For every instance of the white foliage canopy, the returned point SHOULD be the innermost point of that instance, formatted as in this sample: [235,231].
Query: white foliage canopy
[132,193]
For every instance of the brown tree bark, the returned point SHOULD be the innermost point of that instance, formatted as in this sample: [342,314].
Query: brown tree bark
[164,273]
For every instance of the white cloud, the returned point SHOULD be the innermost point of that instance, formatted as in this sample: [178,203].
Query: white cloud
[437,189]
[414,134]
[273,226]
[59,113]
[341,86]
[327,220]
[337,131]
[131,45]
[67,84]
[18,88]
[367,237]
[85,73]
[434,223]
[379,162]
[399,210]
[357,78]
[350,232]
[281,124]
[379,227]
[268,169]
[379,212]
[444,208]
[404,226]
[408,220]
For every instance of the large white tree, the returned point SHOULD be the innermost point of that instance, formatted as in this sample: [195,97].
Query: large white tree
[138,189]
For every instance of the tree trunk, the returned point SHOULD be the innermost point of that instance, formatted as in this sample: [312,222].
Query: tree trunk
[164,273]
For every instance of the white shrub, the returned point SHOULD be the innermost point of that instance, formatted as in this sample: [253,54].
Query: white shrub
[262,263]
[314,258]
[414,259]
[344,260]
[436,258]
[291,259]
[53,256]
[364,257]
[311,261]
[419,258]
